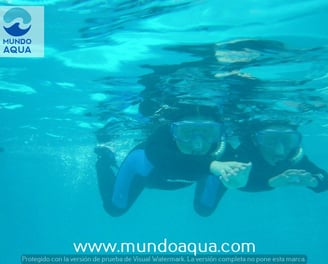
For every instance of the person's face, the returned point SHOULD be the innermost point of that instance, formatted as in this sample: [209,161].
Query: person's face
[196,137]
[277,143]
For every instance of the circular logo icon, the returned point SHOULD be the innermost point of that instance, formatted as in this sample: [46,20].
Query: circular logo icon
[20,21]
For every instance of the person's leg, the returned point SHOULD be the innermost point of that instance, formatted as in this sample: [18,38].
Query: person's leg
[106,179]
[208,193]
[119,191]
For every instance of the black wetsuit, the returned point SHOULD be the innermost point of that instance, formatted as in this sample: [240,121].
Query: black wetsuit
[158,163]
[262,171]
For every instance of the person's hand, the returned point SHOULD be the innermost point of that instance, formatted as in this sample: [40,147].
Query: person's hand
[293,177]
[232,174]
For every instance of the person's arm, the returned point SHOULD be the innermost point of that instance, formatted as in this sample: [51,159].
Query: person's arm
[231,173]
[320,175]
[304,173]
[230,170]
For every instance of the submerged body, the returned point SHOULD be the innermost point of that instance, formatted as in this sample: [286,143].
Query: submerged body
[163,163]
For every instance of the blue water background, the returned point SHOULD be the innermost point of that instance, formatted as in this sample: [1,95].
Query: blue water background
[51,109]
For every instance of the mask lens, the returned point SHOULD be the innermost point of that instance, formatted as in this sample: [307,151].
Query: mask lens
[289,139]
[186,131]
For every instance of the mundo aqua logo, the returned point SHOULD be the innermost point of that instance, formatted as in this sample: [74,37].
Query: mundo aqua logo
[21,31]
[11,16]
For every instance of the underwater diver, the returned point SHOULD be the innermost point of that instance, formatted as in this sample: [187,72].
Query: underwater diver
[277,157]
[190,149]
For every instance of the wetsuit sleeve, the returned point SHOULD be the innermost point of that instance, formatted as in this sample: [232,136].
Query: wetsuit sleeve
[318,173]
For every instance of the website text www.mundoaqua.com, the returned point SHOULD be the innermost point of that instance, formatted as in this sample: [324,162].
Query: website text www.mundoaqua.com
[165,246]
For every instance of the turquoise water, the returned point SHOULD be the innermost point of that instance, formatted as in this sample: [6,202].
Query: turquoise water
[257,59]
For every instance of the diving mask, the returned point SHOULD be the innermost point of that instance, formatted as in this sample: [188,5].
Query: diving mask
[270,138]
[186,131]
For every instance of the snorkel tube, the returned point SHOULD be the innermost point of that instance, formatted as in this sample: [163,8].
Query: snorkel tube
[221,146]
[298,156]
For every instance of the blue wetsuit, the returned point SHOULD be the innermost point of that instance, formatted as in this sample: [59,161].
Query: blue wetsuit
[158,163]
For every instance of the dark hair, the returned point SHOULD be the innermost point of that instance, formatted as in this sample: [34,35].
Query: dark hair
[269,123]
[182,111]
[247,129]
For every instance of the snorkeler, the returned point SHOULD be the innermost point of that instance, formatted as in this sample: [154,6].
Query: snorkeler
[278,159]
[192,149]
